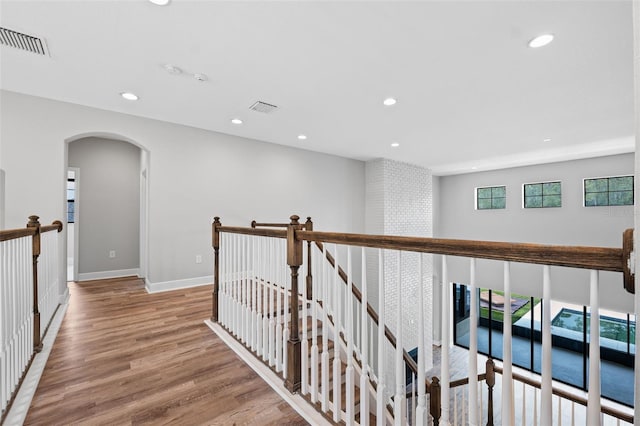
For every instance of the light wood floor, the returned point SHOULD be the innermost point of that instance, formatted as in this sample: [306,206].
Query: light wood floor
[123,356]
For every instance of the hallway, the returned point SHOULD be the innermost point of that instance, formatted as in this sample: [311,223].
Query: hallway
[124,356]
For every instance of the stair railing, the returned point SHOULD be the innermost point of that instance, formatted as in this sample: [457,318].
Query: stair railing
[29,288]
[341,315]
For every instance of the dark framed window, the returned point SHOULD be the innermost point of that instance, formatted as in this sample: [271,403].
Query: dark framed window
[71,200]
[608,191]
[491,198]
[543,194]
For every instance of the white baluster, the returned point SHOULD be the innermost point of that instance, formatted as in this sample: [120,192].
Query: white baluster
[245,285]
[480,404]
[259,303]
[279,307]
[413,394]
[350,400]
[364,376]
[573,414]
[455,406]
[444,363]
[524,404]
[560,412]
[421,409]
[283,268]
[272,304]
[380,398]
[546,391]
[473,346]
[593,402]
[464,412]
[325,331]
[314,324]
[535,406]
[265,299]
[508,412]
[305,340]
[254,296]
[399,403]
[337,374]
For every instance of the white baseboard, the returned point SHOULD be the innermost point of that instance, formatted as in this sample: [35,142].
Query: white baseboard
[64,297]
[89,276]
[296,401]
[177,284]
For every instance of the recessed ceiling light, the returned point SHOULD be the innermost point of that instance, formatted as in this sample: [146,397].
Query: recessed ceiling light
[302,137]
[541,40]
[389,101]
[474,168]
[547,140]
[395,144]
[236,121]
[129,96]
[160,2]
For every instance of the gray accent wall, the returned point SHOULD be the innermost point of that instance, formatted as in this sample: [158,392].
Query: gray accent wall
[571,224]
[108,203]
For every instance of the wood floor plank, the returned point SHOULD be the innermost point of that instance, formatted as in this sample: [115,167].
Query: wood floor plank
[123,356]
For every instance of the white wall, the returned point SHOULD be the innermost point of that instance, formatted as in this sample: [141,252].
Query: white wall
[109,203]
[572,224]
[399,203]
[1,199]
[193,175]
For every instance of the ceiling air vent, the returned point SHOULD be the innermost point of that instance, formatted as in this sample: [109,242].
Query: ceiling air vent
[263,107]
[23,41]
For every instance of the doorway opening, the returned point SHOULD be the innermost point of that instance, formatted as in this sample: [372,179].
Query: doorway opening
[73,175]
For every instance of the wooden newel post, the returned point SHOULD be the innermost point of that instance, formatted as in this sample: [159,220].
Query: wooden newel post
[216,266]
[434,401]
[33,223]
[308,226]
[491,380]
[294,353]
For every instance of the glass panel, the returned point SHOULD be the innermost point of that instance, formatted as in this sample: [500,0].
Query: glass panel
[532,189]
[484,192]
[484,203]
[551,188]
[567,344]
[498,203]
[71,194]
[623,183]
[621,198]
[531,202]
[498,191]
[596,199]
[552,201]
[596,185]
[70,211]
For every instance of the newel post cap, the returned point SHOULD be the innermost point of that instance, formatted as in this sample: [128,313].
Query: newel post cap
[294,219]
[33,221]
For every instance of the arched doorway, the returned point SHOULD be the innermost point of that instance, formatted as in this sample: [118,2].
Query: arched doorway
[107,206]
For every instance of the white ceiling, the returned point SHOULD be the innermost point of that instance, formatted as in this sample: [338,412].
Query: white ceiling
[470,92]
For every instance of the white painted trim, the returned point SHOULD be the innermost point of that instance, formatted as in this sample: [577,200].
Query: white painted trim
[64,297]
[548,155]
[296,401]
[177,284]
[102,275]
[2,180]
[20,407]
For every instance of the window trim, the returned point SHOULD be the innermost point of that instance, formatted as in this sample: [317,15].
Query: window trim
[541,183]
[584,199]
[475,196]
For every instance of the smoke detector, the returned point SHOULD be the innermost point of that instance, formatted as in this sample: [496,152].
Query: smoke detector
[200,77]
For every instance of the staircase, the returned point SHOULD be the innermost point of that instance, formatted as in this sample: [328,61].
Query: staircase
[320,334]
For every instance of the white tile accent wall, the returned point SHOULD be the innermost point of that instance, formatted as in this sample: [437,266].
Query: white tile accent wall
[399,202]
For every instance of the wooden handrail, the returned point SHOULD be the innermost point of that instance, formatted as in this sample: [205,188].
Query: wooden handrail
[567,395]
[600,258]
[55,226]
[274,233]
[12,234]
[255,224]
